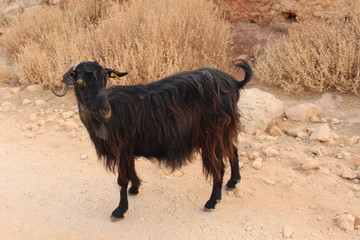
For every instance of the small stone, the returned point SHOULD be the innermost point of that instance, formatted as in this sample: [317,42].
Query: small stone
[70,125]
[356,161]
[26,127]
[269,181]
[257,163]
[178,173]
[276,132]
[34,128]
[68,114]
[254,155]
[309,164]
[348,173]
[238,193]
[315,119]
[34,88]
[270,152]
[30,135]
[256,145]
[302,112]
[354,140]
[324,120]
[346,222]
[322,133]
[15,90]
[71,134]
[84,156]
[287,232]
[335,121]
[243,154]
[39,102]
[316,151]
[301,135]
[33,117]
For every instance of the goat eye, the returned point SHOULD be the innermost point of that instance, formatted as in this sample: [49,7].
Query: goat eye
[72,74]
[80,81]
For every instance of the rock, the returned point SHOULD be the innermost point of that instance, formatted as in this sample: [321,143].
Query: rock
[287,232]
[315,119]
[70,125]
[276,132]
[356,161]
[84,156]
[26,101]
[317,151]
[302,135]
[254,155]
[354,140]
[335,121]
[11,11]
[259,110]
[7,106]
[348,173]
[303,112]
[269,181]
[309,164]
[346,222]
[26,127]
[257,163]
[15,90]
[256,145]
[39,102]
[322,133]
[34,128]
[270,152]
[238,193]
[34,88]
[30,135]
[68,114]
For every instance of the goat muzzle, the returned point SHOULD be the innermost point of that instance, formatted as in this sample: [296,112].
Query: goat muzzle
[63,91]
[106,113]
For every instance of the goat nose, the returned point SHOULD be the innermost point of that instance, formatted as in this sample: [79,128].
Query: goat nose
[106,113]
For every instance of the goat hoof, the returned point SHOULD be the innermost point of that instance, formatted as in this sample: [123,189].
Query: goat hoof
[116,219]
[210,205]
[231,184]
[133,190]
[117,214]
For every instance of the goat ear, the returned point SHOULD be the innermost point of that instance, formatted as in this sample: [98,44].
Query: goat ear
[111,73]
[69,78]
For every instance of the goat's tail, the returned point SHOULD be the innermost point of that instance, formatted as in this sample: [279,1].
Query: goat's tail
[248,72]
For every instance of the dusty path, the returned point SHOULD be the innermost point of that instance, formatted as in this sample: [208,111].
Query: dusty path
[48,192]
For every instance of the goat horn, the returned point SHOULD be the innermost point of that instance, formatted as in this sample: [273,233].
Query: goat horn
[63,91]
[65,86]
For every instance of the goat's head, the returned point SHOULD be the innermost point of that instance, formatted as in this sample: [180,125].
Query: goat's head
[89,81]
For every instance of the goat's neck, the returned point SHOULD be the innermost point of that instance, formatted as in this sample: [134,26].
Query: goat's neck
[95,128]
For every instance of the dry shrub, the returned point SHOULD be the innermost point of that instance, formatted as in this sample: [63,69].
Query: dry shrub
[149,39]
[315,56]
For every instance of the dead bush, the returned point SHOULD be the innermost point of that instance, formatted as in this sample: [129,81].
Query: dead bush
[149,39]
[317,56]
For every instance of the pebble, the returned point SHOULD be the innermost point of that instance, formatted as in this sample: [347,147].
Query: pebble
[243,154]
[30,135]
[276,132]
[15,90]
[70,125]
[84,156]
[287,232]
[26,127]
[178,173]
[322,133]
[271,152]
[354,140]
[68,114]
[315,119]
[346,222]
[301,135]
[256,146]
[335,121]
[317,151]
[238,193]
[269,181]
[34,88]
[254,155]
[309,164]
[33,117]
[39,102]
[257,163]
[34,128]
[348,173]
[26,101]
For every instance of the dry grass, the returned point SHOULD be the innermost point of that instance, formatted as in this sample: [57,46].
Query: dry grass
[317,57]
[149,39]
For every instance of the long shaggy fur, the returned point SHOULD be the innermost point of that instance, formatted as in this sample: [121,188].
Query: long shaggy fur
[172,118]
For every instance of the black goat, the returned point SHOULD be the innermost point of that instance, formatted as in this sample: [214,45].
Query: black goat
[168,120]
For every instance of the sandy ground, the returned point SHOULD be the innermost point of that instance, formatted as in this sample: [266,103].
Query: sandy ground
[47,191]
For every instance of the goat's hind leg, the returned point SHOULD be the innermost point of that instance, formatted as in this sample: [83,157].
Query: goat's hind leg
[135,184]
[217,175]
[235,170]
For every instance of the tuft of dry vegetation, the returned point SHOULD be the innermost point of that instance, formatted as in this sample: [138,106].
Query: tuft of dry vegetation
[149,39]
[317,56]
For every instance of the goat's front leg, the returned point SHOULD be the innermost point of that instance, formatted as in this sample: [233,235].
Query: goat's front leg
[118,213]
